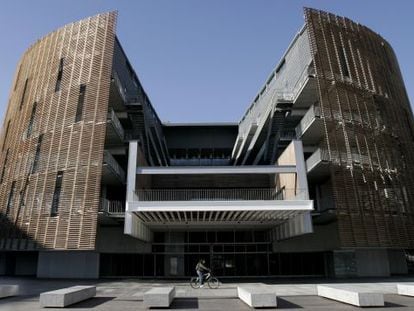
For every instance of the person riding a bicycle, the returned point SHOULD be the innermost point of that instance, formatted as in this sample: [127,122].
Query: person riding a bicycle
[201,269]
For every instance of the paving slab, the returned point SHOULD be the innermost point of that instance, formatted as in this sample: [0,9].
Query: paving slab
[127,294]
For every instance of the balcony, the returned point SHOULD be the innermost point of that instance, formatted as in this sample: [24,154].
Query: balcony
[241,194]
[306,89]
[311,128]
[211,197]
[208,208]
[112,208]
[115,133]
[112,172]
[318,164]
[119,96]
[200,162]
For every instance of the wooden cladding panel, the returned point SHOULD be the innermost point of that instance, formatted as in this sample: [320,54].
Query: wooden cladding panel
[368,132]
[76,149]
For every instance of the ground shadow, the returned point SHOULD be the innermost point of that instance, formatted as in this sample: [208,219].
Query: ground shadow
[282,303]
[183,303]
[393,305]
[92,302]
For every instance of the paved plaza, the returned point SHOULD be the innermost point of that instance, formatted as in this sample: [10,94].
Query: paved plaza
[127,294]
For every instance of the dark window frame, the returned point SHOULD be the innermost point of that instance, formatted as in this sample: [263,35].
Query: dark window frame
[81,102]
[10,200]
[343,63]
[54,209]
[37,154]
[60,75]
[3,170]
[31,121]
[5,135]
[24,93]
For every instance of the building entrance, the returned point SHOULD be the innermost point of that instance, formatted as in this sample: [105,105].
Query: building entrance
[227,253]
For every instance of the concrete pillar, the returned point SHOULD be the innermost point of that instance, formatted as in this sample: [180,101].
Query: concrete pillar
[68,264]
[372,262]
[133,226]
[397,261]
[361,263]
[344,263]
[2,263]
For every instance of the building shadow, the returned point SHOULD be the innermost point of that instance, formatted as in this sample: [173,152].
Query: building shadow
[18,252]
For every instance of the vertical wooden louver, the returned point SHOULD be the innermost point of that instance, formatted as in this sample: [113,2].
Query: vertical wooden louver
[78,54]
[368,132]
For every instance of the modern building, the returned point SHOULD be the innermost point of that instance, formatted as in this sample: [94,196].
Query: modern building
[317,178]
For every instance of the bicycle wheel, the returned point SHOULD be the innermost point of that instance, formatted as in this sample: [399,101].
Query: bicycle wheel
[213,283]
[194,283]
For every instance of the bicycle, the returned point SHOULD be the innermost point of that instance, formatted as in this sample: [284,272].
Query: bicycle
[211,281]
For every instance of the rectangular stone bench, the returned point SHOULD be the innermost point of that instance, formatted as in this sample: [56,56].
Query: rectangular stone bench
[9,290]
[405,289]
[257,297]
[66,296]
[353,297]
[159,297]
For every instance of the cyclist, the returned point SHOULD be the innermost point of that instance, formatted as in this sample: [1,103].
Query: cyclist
[201,269]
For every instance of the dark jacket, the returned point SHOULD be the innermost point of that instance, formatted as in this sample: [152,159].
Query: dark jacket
[201,267]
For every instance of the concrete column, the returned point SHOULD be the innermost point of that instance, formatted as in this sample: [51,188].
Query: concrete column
[301,169]
[2,263]
[372,262]
[68,264]
[133,225]
[397,261]
[361,263]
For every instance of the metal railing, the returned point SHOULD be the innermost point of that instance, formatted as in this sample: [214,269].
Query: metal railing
[339,158]
[240,194]
[287,135]
[112,207]
[127,98]
[200,162]
[110,161]
[112,117]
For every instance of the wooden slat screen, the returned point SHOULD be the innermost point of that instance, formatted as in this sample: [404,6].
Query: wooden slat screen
[369,132]
[76,148]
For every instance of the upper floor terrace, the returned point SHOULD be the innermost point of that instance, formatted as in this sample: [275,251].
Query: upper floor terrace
[273,197]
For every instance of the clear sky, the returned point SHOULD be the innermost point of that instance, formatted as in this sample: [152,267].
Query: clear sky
[200,61]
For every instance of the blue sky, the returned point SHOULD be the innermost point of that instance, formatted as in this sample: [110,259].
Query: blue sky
[200,61]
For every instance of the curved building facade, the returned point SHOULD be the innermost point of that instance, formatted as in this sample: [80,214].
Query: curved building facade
[317,178]
[53,138]
[368,132]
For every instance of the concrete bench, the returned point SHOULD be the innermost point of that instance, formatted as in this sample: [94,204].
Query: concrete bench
[9,290]
[159,297]
[257,297]
[351,296]
[66,296]
[405,289]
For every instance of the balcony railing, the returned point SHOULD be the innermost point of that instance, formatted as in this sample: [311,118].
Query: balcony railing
[339,158]
[112,117]
[127,98]
[112,207]
[200,162]
[110,161]
[241,194]
[287,135]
